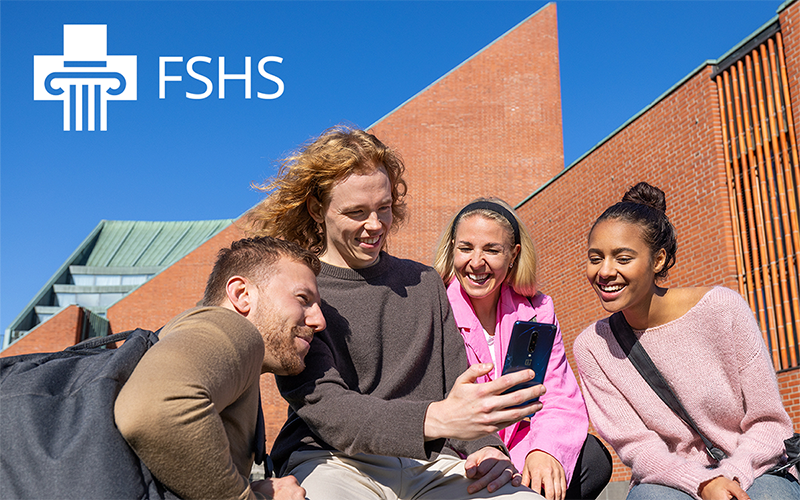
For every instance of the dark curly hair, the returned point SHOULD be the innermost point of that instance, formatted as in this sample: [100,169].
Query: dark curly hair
[646,206]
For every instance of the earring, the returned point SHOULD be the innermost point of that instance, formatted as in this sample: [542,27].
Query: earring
[511,265]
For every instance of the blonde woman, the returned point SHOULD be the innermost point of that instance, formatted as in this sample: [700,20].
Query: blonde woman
[488,263]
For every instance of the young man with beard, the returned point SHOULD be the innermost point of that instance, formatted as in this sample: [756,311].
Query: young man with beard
[387,408]
[190,408]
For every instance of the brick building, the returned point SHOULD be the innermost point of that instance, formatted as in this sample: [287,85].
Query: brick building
[723,146]
[721,143]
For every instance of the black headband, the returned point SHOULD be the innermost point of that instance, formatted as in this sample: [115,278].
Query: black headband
[492,207]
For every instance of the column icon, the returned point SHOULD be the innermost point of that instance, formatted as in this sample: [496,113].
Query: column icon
[85,78]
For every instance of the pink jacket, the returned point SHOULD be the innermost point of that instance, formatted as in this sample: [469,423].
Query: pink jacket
[560,428]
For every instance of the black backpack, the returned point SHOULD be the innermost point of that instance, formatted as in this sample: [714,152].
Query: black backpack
[57,432]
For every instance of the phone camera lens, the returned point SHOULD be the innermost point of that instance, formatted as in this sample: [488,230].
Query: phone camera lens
[534,338]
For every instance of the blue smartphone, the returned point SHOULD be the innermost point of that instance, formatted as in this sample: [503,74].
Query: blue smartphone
[529,347]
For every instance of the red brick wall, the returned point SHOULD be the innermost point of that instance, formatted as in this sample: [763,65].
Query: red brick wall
[789,383]
[675,145]
[56,334]
[490,127]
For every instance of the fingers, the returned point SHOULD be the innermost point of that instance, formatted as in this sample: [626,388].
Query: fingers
[546,474]
[502,418]
[739,493]
[517,396]
[525,394]
[505,475]
[472,410]
[471,465]
[552,487]
[282,488]
[517,405]
[471,375]
[556,484]
[492,474]
[545,484]
[561,493]
[526,477]
[722,488]
[509,380]
[288,488]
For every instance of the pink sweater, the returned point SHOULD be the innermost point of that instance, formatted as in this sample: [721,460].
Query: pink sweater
[560,428]
[716,362]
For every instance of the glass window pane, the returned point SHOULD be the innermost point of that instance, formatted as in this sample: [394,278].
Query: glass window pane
[65,299]
[134,279]
[106,299]
[88,299]
[108,280]
[83,279]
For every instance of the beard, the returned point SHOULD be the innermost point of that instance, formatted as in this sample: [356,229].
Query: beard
[281,345]
[279,340]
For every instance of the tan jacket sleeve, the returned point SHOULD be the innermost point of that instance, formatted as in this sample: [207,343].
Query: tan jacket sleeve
[190,407]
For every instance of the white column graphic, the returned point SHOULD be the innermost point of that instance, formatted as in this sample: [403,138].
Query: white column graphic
[85,77]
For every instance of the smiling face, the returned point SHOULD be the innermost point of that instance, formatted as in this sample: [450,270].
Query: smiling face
[287,314]
[621,267]
[483,252]
[356,218]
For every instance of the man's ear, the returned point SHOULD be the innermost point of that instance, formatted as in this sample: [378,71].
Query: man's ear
[315,209]
[238,291]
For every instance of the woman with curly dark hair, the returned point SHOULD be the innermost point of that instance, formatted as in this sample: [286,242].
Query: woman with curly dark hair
[709,350]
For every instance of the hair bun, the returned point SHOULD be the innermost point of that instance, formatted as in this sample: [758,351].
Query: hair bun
[645,194]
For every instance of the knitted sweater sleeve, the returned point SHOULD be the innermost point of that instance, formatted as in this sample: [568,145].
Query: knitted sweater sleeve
[621,426]
[765,424]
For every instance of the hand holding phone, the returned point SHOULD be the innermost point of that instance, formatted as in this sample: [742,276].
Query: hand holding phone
[529,348]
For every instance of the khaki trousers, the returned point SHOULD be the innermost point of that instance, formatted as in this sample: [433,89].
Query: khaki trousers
[330,475]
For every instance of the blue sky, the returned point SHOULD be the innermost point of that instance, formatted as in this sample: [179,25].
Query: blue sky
[342,61]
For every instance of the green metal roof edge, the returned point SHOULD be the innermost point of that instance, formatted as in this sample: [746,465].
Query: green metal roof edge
[222,228]
[49,285]
[147,243]
[473,56]
[657,100]
[65,267]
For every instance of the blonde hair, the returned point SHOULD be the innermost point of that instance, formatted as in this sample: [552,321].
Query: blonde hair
[312,171]
[521,277]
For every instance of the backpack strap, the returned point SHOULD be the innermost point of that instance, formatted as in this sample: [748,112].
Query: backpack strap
[260,438]
[94,342]
[644,365]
